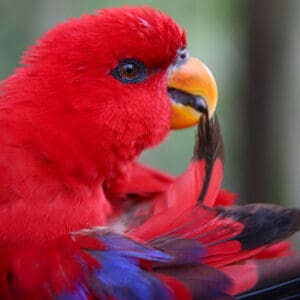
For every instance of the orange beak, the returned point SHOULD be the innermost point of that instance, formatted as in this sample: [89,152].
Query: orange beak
[193,92]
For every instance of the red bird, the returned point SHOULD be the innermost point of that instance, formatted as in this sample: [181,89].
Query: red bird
[80,218]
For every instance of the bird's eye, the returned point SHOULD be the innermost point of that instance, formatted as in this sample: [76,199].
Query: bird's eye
[130,71]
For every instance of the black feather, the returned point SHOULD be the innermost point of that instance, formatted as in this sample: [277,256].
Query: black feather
[263,223]
[209,146]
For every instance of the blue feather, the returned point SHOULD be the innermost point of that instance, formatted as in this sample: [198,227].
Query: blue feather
[130,248]
[120,274]
[121,277]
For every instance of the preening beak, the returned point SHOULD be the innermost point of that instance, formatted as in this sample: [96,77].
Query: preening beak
[193,92]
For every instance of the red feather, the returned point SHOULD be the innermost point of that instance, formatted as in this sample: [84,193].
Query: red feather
[70,135]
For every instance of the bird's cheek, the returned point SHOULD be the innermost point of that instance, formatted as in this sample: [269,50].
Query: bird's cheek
[158,111]
[152,116]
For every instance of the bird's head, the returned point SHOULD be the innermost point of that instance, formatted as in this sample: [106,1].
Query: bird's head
[109,85]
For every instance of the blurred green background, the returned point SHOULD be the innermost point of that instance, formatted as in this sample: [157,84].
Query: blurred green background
[253,49]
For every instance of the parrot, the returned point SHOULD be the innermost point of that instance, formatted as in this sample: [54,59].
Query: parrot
[81,218]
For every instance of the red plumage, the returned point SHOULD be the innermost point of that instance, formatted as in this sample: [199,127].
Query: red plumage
[67,125]
[70,134]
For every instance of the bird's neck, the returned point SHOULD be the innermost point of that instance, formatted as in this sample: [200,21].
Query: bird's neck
[43,196]
[47,192]
[53,162]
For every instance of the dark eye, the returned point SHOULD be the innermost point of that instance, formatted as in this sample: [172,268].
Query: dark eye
[130,71]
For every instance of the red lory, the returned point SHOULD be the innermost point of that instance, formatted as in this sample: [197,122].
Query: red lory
[81,218]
